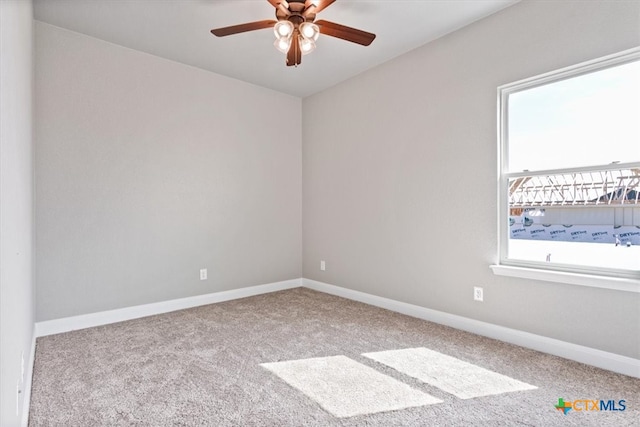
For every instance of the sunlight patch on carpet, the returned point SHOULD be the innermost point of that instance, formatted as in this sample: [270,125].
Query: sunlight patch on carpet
[345,388]
[449,374]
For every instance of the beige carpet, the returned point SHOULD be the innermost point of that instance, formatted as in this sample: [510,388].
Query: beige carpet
[462,379]
[209,366]
[346,388]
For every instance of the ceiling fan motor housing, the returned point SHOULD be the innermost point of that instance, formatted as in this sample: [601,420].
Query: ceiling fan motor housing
[295,13]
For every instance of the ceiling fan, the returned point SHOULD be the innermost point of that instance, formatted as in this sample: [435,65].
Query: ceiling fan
[297,30]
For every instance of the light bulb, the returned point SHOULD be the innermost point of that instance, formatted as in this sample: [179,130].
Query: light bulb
[309,30]
[306,45]
[283,28]
[283,44]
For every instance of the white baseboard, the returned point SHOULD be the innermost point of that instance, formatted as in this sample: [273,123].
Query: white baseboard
[73,323]
[590,356]
[26,387]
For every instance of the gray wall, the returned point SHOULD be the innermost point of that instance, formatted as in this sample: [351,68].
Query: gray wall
[399,174]
[16,203]
[148,170]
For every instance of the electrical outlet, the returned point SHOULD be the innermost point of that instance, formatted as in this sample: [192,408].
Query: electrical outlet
[18,392]
[478,293]
[203,274]
[323,266]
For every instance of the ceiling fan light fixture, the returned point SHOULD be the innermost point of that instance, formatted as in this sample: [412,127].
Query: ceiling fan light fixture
[309,30]
[283,29]
[283,44]
[306,45]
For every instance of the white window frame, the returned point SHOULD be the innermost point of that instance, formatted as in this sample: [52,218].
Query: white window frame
[625,280]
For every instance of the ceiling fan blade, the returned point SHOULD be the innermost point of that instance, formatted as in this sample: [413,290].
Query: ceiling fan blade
[345,33]
[315,6]
[294,56]
[281,5]
[242,28]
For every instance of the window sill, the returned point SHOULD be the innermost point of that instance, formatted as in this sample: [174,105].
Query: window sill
[615,283]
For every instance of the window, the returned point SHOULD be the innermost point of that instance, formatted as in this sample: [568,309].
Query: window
[569,179]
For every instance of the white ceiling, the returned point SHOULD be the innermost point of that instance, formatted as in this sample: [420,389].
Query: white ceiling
[179,30]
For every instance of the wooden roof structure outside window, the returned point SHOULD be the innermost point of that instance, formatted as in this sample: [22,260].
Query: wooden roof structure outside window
[616,187]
